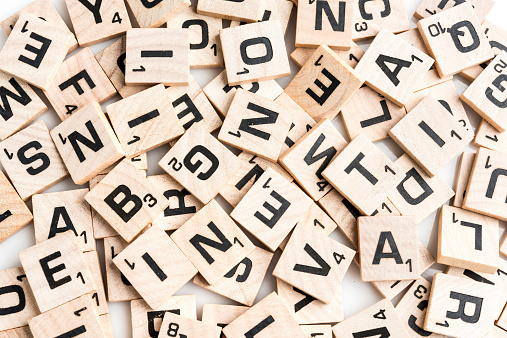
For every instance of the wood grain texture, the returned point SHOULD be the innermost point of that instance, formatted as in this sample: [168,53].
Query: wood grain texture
[20,332]
[432,7]
[324,331]
[14,213]
[220,314]
[503,247]
[273,10]
[101,229]
[155,14]
[189,327]
[390,15]
[489,137]
[98,297]
[462,177]
[248,10]
[351,57]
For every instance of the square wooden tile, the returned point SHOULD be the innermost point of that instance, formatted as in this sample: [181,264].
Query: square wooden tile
[432,7]
[440,136]
[273,10]
[307,309]
[462,176]
[449,298]
[243,282]
[98,297]
[56,271]
[118,286]
[455,39]
[182,326]
[127,200]
[317,219]
[489,137]
[101,229]
[155,266]
[256,124]
[221,94]
[221,315]
[21,105]
[31,160]
[271,208]
[334,29]
[205,47]
[393,67]
[34,50]
[112,60]
[324,99]
[418,194]
[268,317]
[325,268]
[14,214]
[388,248]
[323,331]
[485,94]
[184,162]
[485,193]
[20,332]
[98,23]
[72,319]
[60,212]
[87,143]
[248,11]
[146,322]
[153,14]
[157,56]
[379,319]
[212,242]
[361,161]
[412,309]
[351,57]
[20,306]
[390,15]
[311,155]
[268,56]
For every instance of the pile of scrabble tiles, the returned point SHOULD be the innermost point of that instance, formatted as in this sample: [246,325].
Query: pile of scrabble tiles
[275,154]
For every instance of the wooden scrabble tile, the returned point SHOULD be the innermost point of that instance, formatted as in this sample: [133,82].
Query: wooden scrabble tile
[503,247]
[468,240]
[79,81]
[20,307]
[440,136]
[105,323]
[327,100]
[41,9]
[432,78]
[97,23]
[379,319]
[271,224]
[21,105]
[101,229]
[393,67]
[248,11]
[311,155]
[400,260]
[323,331]
[273,10]
[317,219]
[256,125]
[31,160]
[442,34]
[462,176]
[14,214]
[182,205]
[157,56]
[60,212]
[34,50]
[412,309]
[418,194]
[390,15]
[20,332]
[432,7]
[351,57]
[164,271]
[333,30]
[146,321]
[221,315]
[118,286]
[488,137]
[485,187]
[331,257]
[144,201]
[254,52]
[413,37]
[375,177]
[174,324]
[144,121]
[268,317]
[449,299]
[112,61]
[56,271]
[98,297]
[307,309]
[153,14]
[483,97]
[68,320]
[370,113]
[243,282]
[205,47]
[193,239]
[193,107]
[87,143]
[202,179]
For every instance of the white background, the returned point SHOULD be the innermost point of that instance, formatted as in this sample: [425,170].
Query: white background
[356,294]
